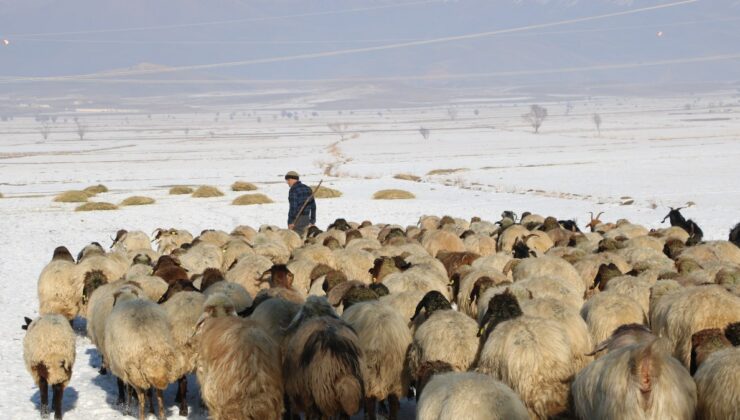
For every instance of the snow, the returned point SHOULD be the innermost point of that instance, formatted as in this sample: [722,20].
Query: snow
[654,151]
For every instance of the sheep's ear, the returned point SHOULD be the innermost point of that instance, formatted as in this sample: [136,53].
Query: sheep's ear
[28,322]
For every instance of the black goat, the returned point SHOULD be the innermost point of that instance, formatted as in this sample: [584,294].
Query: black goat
[677,219]
[735,235]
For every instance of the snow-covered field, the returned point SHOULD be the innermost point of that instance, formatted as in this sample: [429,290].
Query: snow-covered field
[653,153]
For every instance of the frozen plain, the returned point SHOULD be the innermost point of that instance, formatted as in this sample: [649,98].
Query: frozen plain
[653,152]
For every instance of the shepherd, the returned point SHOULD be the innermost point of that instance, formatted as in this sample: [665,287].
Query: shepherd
[302,212]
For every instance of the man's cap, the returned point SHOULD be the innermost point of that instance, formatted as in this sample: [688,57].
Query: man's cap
[292,175]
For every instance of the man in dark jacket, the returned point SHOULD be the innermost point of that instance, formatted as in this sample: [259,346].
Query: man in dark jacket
[298,195]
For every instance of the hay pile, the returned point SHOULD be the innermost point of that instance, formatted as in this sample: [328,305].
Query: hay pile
[180,189]
[205,191]
[73,196]
[250,199]
[446,171]
[393,195]
[243,186]
[96,189]
[94,206]
[407,177]
[137,200]
[325,192]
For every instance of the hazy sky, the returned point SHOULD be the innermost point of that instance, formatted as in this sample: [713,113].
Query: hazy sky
[693,39]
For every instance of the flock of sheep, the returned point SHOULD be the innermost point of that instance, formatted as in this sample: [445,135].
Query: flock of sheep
[522,318]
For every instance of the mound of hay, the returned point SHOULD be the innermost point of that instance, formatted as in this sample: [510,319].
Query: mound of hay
[181,189]
[1,195]
[407,177]
[446,171]
[325,192]
[73,196]
[96,189]
[205,191]
[94,206]
[393,195]
[137,200]
[249,199]
[243,186]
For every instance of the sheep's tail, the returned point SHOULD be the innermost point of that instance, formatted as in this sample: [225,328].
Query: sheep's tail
[334,360]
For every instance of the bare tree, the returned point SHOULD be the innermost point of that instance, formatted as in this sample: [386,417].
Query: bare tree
[452,113]
[424,133]
[81,129]
[597,122]
[45,129]
[339,128]
[535,117]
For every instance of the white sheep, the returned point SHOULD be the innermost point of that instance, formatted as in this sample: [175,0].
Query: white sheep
[470,396]
[234,291]
[49,355]
[140,348]
[718,386]
[384,339]
[635,381]
[58,291]
[606,311]
[201,256]
[248,272]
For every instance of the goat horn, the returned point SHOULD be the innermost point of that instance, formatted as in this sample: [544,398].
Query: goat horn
[599,215]
[592,215]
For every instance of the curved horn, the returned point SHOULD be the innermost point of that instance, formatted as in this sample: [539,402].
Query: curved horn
[592,215]
[599,215]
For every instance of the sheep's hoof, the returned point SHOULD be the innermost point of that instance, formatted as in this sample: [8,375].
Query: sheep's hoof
[102,370]
[184,411]
[45,411]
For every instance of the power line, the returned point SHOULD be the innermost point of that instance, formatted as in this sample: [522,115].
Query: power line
[335,53]
[224,22]
[356,41]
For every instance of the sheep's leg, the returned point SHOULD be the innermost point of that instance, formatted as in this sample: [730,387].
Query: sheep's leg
[394,405]
[370,408]
[151,401]
[44,393]
[160,404]
[141,394]
[102,369]
[182,395]
[121,392]
[56,402]
[127,392]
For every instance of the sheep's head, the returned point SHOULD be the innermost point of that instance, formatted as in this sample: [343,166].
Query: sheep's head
[340,224]
[216,305]
[550,223]
[623,336]
[704,343]
[61,253]
[143,259]
[521,250]
[394,233]
[177,287]
[595,221]
[606,272]
[673,248]
[166,261]
[319,270]
[380,289]
[481,285]
[331,243]
[384,266]
[475,219]
[172,274]
[120,235]
[609,244]
[352,234]
[732,332]
[125,294]
[444,221]
[313,232]
[93,280]
[332,279]
[467,233]
[280,276]
[313,307]
[428,369]
[502,307]
[358,295]
[675,216]
[209,277]
[93,249]
[431,302]
[508,214]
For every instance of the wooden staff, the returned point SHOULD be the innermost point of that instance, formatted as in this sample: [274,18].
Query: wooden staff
[305,203]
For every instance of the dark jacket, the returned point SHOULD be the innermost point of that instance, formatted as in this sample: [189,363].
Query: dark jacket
[298,195]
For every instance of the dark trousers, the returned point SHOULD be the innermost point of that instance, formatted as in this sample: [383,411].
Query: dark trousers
[301,224]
